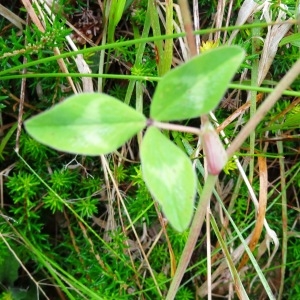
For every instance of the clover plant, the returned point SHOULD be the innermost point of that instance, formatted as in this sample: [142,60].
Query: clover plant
[95,124]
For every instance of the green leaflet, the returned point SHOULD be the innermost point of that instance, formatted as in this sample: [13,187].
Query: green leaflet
[87,124]
[196,87]
[170,177]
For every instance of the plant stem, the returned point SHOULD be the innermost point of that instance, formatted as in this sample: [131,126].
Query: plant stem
[253,94]
[188,26]
[193,235]
[243,87]
[174,127]
[284,219]
[256,88]
[264,108]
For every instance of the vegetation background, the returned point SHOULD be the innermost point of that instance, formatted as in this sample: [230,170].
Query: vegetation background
[75,227]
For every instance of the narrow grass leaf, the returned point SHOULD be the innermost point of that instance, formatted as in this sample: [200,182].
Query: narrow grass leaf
[293,39]
[196,87]
[115,15]
[239,288]
[170,177]
[87,124]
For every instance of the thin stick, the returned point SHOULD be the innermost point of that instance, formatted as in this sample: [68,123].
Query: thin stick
[188,26]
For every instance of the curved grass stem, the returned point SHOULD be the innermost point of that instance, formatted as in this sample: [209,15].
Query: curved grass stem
[195,229]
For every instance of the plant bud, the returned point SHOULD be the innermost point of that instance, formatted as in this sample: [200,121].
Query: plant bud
[215,154]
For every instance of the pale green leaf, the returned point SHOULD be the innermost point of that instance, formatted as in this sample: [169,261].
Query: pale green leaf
[87,124]
[196,87]
[170,177]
